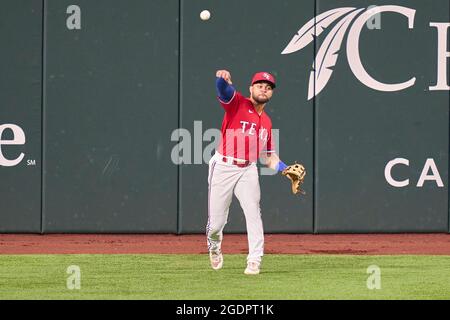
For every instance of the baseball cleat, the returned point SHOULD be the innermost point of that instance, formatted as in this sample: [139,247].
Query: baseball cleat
[252,268]
[216,260]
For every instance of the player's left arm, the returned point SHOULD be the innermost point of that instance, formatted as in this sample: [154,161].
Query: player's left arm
[269,157]
[272,160]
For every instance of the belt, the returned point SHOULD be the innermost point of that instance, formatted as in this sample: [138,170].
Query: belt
[236,163]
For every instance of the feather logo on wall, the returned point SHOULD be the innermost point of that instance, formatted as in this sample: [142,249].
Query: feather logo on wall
[328,52]
[315,26]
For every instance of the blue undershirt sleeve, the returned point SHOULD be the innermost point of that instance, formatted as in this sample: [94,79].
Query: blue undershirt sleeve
[281,166]
[225,91]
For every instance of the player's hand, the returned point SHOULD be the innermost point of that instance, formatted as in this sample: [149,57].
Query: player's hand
[225,75]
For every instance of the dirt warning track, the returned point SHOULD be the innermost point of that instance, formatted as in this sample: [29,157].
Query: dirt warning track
[358,244]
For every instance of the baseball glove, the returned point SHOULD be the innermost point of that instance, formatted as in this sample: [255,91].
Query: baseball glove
[296,173]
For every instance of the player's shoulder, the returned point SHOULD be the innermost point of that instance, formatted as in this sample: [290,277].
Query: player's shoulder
[245,100]
[240,100]
[238,95]
[267,121]
[267,117]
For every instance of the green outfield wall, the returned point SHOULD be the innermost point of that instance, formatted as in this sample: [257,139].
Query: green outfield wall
[109,116]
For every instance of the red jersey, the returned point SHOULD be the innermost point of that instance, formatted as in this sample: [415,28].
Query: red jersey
[245,133]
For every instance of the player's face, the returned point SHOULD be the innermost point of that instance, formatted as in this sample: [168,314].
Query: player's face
[261,92]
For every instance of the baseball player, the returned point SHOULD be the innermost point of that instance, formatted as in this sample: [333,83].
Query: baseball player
[246,136]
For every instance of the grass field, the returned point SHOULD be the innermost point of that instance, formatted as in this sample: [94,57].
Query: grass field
[187,277]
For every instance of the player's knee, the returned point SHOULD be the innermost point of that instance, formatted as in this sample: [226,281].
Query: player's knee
[215,229]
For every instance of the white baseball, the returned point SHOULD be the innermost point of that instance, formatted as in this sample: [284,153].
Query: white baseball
[205,15]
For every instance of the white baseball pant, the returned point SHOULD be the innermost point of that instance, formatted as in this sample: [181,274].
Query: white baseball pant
[223,179]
